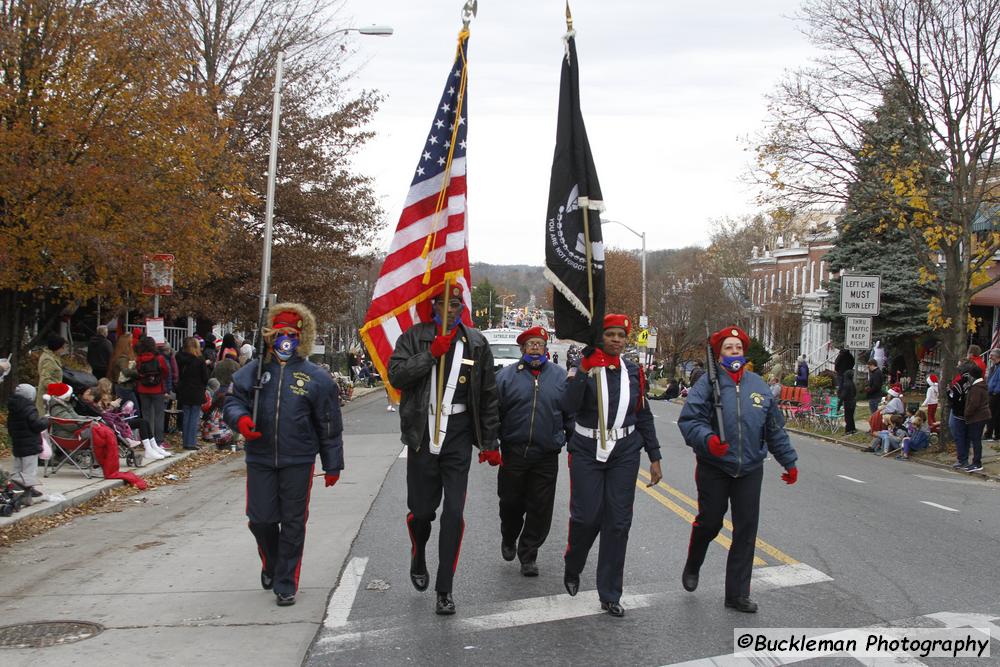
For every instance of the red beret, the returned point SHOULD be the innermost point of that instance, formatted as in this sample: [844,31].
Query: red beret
[454,291]
[533,332]
[287,319]
[612,320]
[728,332]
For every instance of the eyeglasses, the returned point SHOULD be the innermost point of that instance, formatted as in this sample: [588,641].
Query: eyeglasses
[534,345]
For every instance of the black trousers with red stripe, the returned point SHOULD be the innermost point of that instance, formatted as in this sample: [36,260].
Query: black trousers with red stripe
[717,490]
[277,509]
[428,478]
[526,485]
[601,496]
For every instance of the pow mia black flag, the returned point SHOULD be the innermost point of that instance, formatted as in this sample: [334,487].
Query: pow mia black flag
[574,199]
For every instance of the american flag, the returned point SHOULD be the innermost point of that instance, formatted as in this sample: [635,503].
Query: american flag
[995,343]
[431,242]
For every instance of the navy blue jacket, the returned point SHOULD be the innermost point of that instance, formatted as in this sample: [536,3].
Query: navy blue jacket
[753,423]
[580,399]
[24,426]
[298,414]
[530,412]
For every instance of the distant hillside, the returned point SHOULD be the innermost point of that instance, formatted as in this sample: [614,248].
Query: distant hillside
[522,280]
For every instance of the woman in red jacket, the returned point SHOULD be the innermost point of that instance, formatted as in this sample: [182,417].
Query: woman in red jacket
[151,387]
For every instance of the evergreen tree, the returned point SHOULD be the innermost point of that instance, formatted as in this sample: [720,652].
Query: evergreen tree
[483,297]
[871,236]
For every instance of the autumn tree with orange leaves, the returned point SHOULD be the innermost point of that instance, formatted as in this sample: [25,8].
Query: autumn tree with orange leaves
[105,154]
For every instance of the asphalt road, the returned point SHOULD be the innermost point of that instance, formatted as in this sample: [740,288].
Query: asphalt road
[859,541]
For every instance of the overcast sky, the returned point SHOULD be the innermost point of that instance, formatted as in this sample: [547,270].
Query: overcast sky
[669,90]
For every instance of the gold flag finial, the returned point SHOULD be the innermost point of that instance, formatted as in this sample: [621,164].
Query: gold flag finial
[569,17]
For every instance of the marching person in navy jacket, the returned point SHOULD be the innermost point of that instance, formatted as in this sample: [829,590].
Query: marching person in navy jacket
[603,471]
[532,433]
[730,473]
[298,417]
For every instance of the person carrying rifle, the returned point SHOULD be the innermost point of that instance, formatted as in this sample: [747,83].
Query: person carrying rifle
[731,420]
[288,417]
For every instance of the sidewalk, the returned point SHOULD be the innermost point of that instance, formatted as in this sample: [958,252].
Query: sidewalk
[76,488]
[991,458]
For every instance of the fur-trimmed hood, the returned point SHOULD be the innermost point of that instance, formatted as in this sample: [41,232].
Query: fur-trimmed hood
[307,338]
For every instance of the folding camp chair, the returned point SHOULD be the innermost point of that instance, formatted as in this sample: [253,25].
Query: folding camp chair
[76,450]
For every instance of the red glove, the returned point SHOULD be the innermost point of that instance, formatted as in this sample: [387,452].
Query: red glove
[791,476]
[442,344]
[595,359]
[331,479]
[491,456]
[716,447]
[247,428]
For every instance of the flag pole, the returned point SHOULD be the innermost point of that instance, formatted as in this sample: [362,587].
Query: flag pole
[585,203]
[440,383]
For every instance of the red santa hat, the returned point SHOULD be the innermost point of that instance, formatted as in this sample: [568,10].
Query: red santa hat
[59,390]
[533,332]
[933,378]
[896,391]
[722,334]
[612,320]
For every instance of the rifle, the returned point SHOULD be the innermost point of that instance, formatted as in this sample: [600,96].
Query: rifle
[261,351]
[712,368]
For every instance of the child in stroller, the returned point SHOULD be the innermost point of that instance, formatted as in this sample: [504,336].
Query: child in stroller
[213,427]
[13,494]
[100,401]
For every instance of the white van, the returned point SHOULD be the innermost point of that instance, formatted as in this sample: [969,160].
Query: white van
[503,344]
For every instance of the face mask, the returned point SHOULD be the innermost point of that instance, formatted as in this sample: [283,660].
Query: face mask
[733,364]
[285,346]
[534,360]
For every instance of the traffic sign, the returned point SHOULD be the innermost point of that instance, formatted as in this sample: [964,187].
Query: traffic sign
[858,333]
[642,338]
[158,274]
[860,295]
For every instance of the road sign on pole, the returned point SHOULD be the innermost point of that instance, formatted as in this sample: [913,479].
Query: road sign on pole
[860,295]
[858,333]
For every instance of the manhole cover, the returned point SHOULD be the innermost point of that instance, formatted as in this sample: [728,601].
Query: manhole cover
[47,633]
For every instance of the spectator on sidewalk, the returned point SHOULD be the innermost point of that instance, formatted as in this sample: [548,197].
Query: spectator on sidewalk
[802,372]
[894,403]
[844,362]
[191,390]
[890,438]
[152,387]
[696,372]
[931,398]
[975,356]
[873,387]
[99,351]
[977,414]
[993,387]
[50,367]
[847,392]
[918,436]
[122,371]
[25,428]
[774,382]
[225,367]
[4,368]
[228,343]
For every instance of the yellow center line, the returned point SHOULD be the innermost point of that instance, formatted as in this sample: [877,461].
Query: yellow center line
[722,540]
[770,550]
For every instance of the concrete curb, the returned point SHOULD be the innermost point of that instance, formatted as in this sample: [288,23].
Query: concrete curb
[854,445]
[79,496]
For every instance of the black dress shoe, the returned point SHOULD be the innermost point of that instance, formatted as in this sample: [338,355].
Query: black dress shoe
[285,600]
[746,605]
[445,605]
[689,579]
[613,608]
[572,583]
[418,573]
[508,550]
[35,493]
[266,580]
[529,569]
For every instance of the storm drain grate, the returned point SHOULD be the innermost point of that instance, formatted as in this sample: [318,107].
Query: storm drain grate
[47,633]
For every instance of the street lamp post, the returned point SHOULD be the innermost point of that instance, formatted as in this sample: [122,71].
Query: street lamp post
[642,236]
[265,274]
